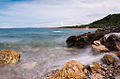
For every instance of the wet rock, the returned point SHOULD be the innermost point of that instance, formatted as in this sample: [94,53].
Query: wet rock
[96,66]
[97,76]
[88,68]
[71,70]
[111,41]
[80,41]
[97,46]
[109,60]
[9,57]
[75,70]
[85,39]
[118,54]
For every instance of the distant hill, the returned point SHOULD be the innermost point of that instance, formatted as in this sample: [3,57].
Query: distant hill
[108,21]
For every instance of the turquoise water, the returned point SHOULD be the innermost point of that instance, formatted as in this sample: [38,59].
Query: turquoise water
[36,37]
[41,49]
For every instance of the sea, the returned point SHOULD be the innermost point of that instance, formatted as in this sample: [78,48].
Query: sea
[42,50]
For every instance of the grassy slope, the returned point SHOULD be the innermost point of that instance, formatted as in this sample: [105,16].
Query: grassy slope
[108,21]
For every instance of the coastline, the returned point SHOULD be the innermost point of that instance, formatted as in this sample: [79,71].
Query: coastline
[107,67]
[79,28]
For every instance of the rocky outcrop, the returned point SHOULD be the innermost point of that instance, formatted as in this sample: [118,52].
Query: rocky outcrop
[85,39]
[111,41]
[9,57]
[109,69]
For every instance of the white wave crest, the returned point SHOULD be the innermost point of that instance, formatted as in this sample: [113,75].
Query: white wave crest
[57,31]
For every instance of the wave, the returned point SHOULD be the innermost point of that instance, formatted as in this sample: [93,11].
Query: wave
[57,31]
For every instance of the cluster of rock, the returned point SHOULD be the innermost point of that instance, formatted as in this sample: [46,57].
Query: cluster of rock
[108,69]
[88,38]
[9,57]
[105,40]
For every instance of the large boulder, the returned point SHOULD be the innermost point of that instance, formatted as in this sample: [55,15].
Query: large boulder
[71,70]
[111,41]
[9,57]
[80,41]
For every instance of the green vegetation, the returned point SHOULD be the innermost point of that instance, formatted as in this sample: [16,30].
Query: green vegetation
[108,21]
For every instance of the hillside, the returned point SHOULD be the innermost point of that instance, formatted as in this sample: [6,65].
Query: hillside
[108,21]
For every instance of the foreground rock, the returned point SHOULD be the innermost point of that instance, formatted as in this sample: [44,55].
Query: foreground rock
[9,57]
[71,70]
[85,39]
[108,69]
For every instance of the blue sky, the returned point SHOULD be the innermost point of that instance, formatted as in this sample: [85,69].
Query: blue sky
[54,13]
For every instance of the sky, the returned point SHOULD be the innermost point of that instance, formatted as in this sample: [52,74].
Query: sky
[54,13]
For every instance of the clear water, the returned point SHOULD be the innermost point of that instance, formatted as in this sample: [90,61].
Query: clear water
[42,50]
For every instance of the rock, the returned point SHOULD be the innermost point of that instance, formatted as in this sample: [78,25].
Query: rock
[111,41]
[71,70]
[96,66]
[80,41]
[97,76]
[87,67]
[97,46]
[75,70]
[83,40]
[9,57]
[109,60]
[118,54]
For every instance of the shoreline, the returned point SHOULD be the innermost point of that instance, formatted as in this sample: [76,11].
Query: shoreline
[79,28]
[107,67]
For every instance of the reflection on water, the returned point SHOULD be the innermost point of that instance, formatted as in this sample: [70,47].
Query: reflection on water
[42,50]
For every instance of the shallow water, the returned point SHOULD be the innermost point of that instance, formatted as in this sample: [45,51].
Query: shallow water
[42,50]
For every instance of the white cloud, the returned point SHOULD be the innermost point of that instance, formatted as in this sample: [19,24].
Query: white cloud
[52,12]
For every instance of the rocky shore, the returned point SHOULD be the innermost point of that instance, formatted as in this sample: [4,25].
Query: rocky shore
[105,41]
[88,38]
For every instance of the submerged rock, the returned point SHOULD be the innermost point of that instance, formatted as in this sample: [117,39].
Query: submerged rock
[29,65]
[71,70]
[9,57]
